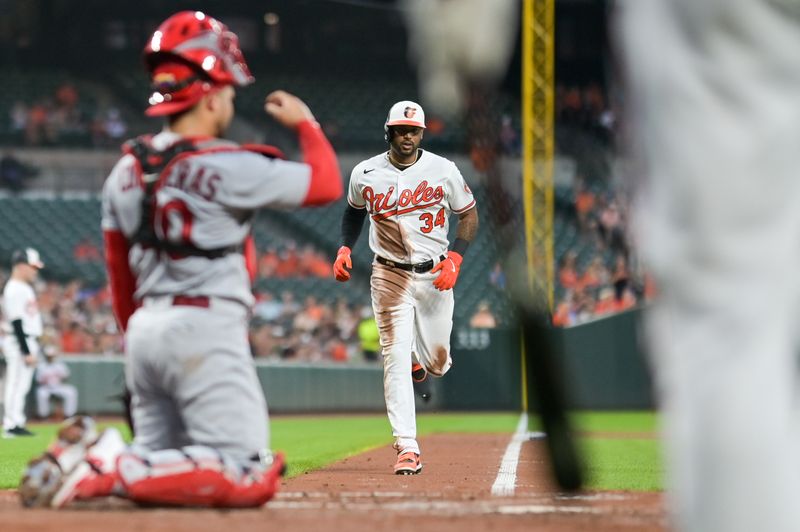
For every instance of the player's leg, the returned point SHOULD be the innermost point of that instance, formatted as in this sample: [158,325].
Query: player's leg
[213,383]
[24,386]
[69,394]
[43,401]
[154,413]
[433,323]
[394,313]
[201,356]
[14,376]
[18,382]
[722,233]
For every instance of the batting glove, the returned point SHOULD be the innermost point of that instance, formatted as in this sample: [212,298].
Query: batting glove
[342,264]
[449,269]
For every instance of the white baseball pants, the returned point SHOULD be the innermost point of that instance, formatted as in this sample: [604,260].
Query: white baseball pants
[715,100]
[412,316]
[19,377]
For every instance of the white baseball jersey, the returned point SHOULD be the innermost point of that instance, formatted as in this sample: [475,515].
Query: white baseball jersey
[410,208]
[19,302]
[51,373]
[208,200]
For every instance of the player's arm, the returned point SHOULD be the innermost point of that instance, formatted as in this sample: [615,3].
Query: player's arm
[462,203]
[450,267]
[466,230]
[19,333]
[352,222]
[120,277]
[15,309]
[325,184]
[251,258]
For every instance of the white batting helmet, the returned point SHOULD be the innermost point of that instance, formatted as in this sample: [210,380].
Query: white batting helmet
[406,113]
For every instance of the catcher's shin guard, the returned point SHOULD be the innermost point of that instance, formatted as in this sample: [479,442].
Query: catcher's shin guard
[198,476]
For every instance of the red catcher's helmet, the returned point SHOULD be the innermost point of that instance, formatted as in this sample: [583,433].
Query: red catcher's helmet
[193,39]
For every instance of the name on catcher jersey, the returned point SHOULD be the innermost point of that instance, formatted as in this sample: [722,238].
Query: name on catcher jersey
[208,200]
[409,209]
[19,303]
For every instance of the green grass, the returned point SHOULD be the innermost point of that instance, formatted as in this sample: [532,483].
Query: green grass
[312,442]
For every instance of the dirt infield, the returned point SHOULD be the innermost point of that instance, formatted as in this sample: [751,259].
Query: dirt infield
[361,494]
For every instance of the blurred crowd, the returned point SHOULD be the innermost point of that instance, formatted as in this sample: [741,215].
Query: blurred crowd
[290,261]
[79,320]
[585,107]
[599,274]
[283,328]
[55,118]
[76,319]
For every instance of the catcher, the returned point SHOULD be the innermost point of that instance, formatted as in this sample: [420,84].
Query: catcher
[177,214]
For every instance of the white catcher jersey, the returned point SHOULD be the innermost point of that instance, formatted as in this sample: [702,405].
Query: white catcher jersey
[19,302]
[208,200]
[409,209]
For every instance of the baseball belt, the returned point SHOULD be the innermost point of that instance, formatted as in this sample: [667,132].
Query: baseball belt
[420,267]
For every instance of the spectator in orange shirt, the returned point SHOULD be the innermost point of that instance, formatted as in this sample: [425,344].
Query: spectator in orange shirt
[268,263]
[606,302]
[567,274]
[86,251]
[584,204]
[75,339]
[338,351]
[289,262]
[313,264]
[596,274]
[565,313]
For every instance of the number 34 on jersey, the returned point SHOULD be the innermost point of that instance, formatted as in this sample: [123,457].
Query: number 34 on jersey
[417,200]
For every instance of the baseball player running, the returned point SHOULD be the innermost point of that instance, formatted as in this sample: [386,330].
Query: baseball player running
[22,324]
[177,212]
[409,195]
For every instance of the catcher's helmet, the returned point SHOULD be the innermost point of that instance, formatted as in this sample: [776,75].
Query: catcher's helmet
[27,256]
[404,113]
[188,55]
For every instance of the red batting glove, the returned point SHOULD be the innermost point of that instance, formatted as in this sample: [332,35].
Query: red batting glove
[449,269]
[342,264]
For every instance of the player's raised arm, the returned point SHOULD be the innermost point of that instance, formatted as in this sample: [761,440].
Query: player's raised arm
[326,180]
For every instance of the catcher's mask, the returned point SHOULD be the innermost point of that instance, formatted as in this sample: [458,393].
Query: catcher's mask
[189,56]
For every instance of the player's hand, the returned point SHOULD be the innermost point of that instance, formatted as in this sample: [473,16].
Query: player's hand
[287,109]
[342,264]
[30,360]
[448,269]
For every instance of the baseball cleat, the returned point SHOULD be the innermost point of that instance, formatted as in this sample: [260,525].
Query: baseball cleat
[408,464]
[20,431]
[418,373]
